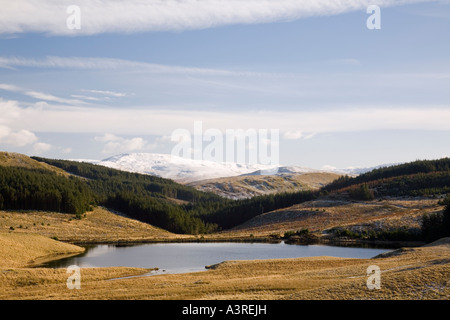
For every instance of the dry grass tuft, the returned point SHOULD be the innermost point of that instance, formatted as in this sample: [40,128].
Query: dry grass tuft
[21,249]
[419,273]
[99,225]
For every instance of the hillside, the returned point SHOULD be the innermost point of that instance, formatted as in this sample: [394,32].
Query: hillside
[177,169]
[12,159]
[97,226]
[248,186]
[418,178]
[388,203]
[188,171]
[157,200]
[327,217]
[182,209]
[25,249]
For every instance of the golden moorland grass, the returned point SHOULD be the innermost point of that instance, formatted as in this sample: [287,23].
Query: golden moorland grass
[12,159]
[25,249]
[99,225]
[102,225]
[320,215]
[250,186]
[413,273]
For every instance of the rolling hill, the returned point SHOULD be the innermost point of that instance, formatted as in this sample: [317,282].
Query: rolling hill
[188,171]
[248,186]
[177,169]
[12,159]
[74,187]
[387,203]
[169,205]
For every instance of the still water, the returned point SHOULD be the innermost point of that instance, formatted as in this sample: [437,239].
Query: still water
[190,257]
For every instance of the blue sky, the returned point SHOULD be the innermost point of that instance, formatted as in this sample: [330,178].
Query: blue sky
[340,94]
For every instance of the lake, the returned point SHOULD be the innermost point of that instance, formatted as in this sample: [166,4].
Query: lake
[191,257]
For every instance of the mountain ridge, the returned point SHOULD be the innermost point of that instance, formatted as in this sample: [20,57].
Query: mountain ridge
[187,171]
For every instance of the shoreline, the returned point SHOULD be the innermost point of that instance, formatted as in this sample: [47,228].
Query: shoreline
[274,279]
[322,241]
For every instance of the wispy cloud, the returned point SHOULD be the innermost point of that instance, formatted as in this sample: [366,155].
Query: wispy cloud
[107,93]
[297,135]
[82,97]
[49,16]
[38,95]
[88,63]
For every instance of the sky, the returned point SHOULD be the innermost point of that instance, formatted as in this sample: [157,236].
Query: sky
[121,76]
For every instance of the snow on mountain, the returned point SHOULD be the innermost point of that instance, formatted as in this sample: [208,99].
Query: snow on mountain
[178,169]
[279,171]
[358,171]
[187,170]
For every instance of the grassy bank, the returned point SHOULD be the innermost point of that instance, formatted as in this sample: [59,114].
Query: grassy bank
[413,273]
[24,249]
[97,226]
[327,221]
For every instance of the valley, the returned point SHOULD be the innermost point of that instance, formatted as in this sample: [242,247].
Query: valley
[365,209]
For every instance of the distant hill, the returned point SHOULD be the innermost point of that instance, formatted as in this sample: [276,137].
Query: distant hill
[418,178]
[26,184]
[188,171]
[177,169]
[74,187]
[229,180]
[169,205]
[248,186]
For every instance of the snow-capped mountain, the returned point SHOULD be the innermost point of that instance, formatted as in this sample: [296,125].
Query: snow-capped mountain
[179,169]
[187,170]
[279,171]
[358,171]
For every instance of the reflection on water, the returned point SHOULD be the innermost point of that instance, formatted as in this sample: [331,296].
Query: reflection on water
[190,257]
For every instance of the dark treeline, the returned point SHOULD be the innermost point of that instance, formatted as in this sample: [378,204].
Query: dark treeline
[418,178]
[169,205]
[33,189]
[437,225]
[157,201]
[182,209]
[159,213]
[243,210]
[106,181]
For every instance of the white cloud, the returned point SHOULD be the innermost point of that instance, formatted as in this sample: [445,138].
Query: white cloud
[9,110]
[297,135]
[38,95]
[115,144]
[42,147]
[49,97]
[66,150]
[10,87]
[19,138]
[107,137]
[107,93]
[49,16]
[293,135]
[82,97]
[161,121]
